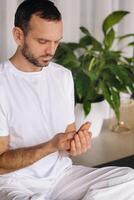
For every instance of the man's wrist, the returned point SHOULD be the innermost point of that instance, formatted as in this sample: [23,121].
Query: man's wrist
[51,147]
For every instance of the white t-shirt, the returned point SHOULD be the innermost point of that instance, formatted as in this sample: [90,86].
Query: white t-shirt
[35,106]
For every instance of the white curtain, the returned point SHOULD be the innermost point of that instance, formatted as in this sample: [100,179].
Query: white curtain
[7,44]
[91,13]
[76,13]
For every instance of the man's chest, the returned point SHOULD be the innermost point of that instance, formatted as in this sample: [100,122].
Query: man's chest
[36,112]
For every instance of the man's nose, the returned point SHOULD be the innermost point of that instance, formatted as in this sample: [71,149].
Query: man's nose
[50,50]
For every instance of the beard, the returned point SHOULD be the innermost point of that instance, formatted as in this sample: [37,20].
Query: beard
[34,60]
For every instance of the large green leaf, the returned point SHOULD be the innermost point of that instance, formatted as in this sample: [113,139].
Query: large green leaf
[116,101]
[89,40]
[66,57]
[84,30]
[112,97]
[85,41]
[111,57]
[73,45]
[125,36]
[124,75]
[96,44]
[82,83]
[112,80]
[106,92]
[129,60]
[62,50]
[87,62]
[131,44]
[86,107]
[113,19]
[109,38]
[71,64]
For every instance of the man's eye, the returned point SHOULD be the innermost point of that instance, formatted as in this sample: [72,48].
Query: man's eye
[42,41]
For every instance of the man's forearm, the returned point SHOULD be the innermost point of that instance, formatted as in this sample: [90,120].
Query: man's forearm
[12,160]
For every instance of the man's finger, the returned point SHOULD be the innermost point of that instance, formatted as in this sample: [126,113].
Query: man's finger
[67,136]
[84,126]
[73,148]
[70,135]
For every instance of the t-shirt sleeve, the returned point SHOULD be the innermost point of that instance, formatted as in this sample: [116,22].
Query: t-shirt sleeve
[3,123]
[71,102]
[3,116]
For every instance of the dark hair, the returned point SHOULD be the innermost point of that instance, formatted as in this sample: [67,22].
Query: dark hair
[43,8]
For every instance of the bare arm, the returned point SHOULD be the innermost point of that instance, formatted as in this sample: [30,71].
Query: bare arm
[11,160]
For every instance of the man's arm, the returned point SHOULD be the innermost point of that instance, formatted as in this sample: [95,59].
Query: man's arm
[12,160]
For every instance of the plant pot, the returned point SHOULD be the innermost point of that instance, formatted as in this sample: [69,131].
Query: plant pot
[96,116]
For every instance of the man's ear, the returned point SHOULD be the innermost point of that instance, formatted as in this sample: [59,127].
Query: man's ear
[18,36]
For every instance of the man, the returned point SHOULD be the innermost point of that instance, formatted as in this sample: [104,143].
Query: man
[37,129]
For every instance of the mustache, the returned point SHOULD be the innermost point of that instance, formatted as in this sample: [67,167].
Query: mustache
[47,55]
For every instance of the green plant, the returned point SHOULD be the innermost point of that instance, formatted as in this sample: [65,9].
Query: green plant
[99,71]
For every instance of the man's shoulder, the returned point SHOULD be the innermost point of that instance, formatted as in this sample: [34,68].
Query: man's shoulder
[59,68]
[2,72]
[1,67]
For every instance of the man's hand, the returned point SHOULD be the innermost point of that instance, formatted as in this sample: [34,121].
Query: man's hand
[61,142]
[81,140]
[71,141]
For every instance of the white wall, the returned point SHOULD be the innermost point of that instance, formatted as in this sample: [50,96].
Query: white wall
[7,44]
[91,13]
[3,42]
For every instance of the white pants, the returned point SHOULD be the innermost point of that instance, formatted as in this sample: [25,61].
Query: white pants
[78,183]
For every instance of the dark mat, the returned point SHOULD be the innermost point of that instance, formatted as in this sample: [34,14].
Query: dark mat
[123,162]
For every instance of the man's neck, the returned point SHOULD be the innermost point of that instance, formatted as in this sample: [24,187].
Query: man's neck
[22,64]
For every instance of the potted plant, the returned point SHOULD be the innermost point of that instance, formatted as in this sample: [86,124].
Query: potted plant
[100,71]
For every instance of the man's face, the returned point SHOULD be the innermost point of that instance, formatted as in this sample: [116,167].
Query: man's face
[41,41]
